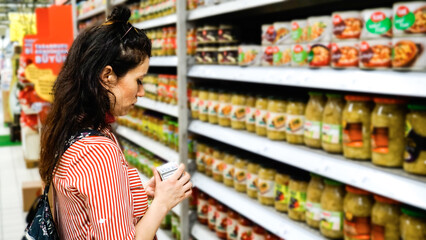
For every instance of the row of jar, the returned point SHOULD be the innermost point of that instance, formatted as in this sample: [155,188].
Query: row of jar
[146,10]
[163,41]
[337,210]
[227,223]
[405,19]
[194,4]
[161,87]
[382,131]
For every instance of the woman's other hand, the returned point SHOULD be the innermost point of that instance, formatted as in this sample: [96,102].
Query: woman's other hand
[150,186]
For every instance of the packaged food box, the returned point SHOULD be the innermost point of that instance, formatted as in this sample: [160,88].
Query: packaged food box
[409,18]
[377,23]
[228,55]
[267,55]
[319,55]
[282,55]
[249,55]
[210,54]
[345,54]
[319,29]
[283,30]
[299,31]
[376,53]
[227,33]
[409,53]
[299,55]
[347,25]
[268,34]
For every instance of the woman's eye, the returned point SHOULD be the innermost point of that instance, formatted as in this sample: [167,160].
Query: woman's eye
[139,82]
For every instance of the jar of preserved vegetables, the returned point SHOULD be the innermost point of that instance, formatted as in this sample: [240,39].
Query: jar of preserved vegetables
[275,125]
[261,111]
[331,139]
[195,108]
[357,206]
[240,174]
[221,220]
[387,136]
[225,108]
[266,185]
[172,89]
[211,215]
[208,158]
[271,236]
[297,188]
[232,225]
[252,178]
[217,167]
[313,120]
[356,127]
[203,97]
[259,233]
[282,179]
[238,112]
[213,106]
[245,228]
[228,170]
[295,121]
[199,160]
[415,150]
[251,113]
[385,219]
[331,224]
[313,200]
[202,207]
[412,223]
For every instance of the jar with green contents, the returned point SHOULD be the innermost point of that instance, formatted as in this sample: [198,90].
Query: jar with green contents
[195,108]
[208,158]
[313,200]
[385,219]
[412,223]
[295,120]
[238,111]
[225,108]
[415,150]
[313,120]
[282,179]
[251,113]
[217,167]
[298,188]
[228,170]
[266,185]
[356,124]
[331,224]
[213,106]
[388,128]
[240,174]
[331,139]
[357,206]
[199,159]
[252,178]
[203,97]
[275,124]
[261,113]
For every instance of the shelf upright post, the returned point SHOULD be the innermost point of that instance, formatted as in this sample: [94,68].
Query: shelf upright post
[182,105]
[74,17]
[108,8]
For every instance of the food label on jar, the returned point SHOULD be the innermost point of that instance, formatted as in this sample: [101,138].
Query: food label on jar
[332,220]
[380,140]
[228,171]
[266,188]
[352,135]
[225,110]
[313,211]
[240,175]
[313,129]
[297,201]
[252,181]
[258,236]
[208,161]
[378,232]
[281,193]
[415,144]
[404,19]
[211,215]
[232,229]
[244,232]
[195,104]
[250,115]
[331,133]
[295,124]
[221,219]
[202,208]
[275,121]
[217,166]
[199,158]
[213,107]
[261,118]
[203,106]
[356,227]
[378,23]
[238,113]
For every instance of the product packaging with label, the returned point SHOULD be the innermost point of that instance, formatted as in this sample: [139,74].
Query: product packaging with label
[408,18]
[377,23]
[167,170]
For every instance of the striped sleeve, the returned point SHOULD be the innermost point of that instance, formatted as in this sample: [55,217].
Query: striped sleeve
[140,198]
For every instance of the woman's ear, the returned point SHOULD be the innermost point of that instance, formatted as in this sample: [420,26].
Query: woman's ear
[108,76]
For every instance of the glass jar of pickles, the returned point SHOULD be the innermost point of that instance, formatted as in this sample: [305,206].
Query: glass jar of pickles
[331,224]
[217,167]
[238,112]
[412,223]
[225,108]
[282,180]
[295,120]
[199,159]
[213,106]
[251,113]
[385,219]
[313,200]
[415,150]
[252,178]
[266,185]
[261,113]
[208,158]
[228,171]
[275,125]
[313,120]
[203,97]
[297,189]
[240,174]
[331,139]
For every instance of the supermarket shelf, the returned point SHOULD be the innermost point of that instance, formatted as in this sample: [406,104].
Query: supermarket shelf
[202,232]
[267,217]
[153,146]
[354,80]
[92,13]
[165,108]
[118,2]
[164,234]
[228,7]
[392,183]
[171,61]
[157,22]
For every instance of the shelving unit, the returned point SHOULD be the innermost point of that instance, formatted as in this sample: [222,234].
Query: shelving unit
[267,217]
[170,61]
[202,232]
[157,22]
[392,183]
[165,108]
[92,13]
[164,234]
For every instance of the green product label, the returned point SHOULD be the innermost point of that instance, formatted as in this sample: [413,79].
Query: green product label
[297,201]
[241,57]
[380,27]
[310,56]
[299,57]
[277,57]
[296,35]
[404,22]
[332,220]
[332,133]
[281,193]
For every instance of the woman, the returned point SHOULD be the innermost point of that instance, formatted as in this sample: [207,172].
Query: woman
[96,194]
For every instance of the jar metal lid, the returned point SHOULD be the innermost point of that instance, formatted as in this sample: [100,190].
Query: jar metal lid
[417,107]
[413,212]
[356,190]
[382,199]
[389,100]
[332,182]
[358,98]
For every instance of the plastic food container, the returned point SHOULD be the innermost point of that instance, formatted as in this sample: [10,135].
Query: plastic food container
[283,33]
[240,175]
[415,151]
[295,121]
[297,188]
[377,23]
[282,55]
[267,55]
[313,201]
[408,18]
[385,219]
[319,55]
[299,55]
[313,120]
[345,54]
[251,113]
[299,31]
[412,223]
[238,112]
[275,125]
[252,179]
[320,29]
[376,53]
[331,139]
[409,53]
[331,224]
[282,197]
[268,34]
[347,25]
[266,186]
[249,55]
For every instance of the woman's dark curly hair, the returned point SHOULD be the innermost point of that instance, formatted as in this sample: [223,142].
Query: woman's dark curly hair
[80,99]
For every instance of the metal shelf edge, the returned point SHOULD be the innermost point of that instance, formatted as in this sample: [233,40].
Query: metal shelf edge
[92,13]
[157,22]
[169,61]
[203,232]
[165,108]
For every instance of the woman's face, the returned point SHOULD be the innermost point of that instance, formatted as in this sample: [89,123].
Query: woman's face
[127,89]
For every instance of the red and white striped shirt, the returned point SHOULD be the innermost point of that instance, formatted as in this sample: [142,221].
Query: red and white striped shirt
[97,195]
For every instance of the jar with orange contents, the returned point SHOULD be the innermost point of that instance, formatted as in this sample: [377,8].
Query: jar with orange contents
[259,233]
[211,214]
[232,225]
[202,207]
[221,220]
[245,228]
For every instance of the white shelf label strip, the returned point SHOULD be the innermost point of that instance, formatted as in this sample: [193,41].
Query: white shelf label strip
[170,61]
[400,186]
[202,232]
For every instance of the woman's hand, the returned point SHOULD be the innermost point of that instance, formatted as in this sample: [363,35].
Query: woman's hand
[173,190]
[150,186]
